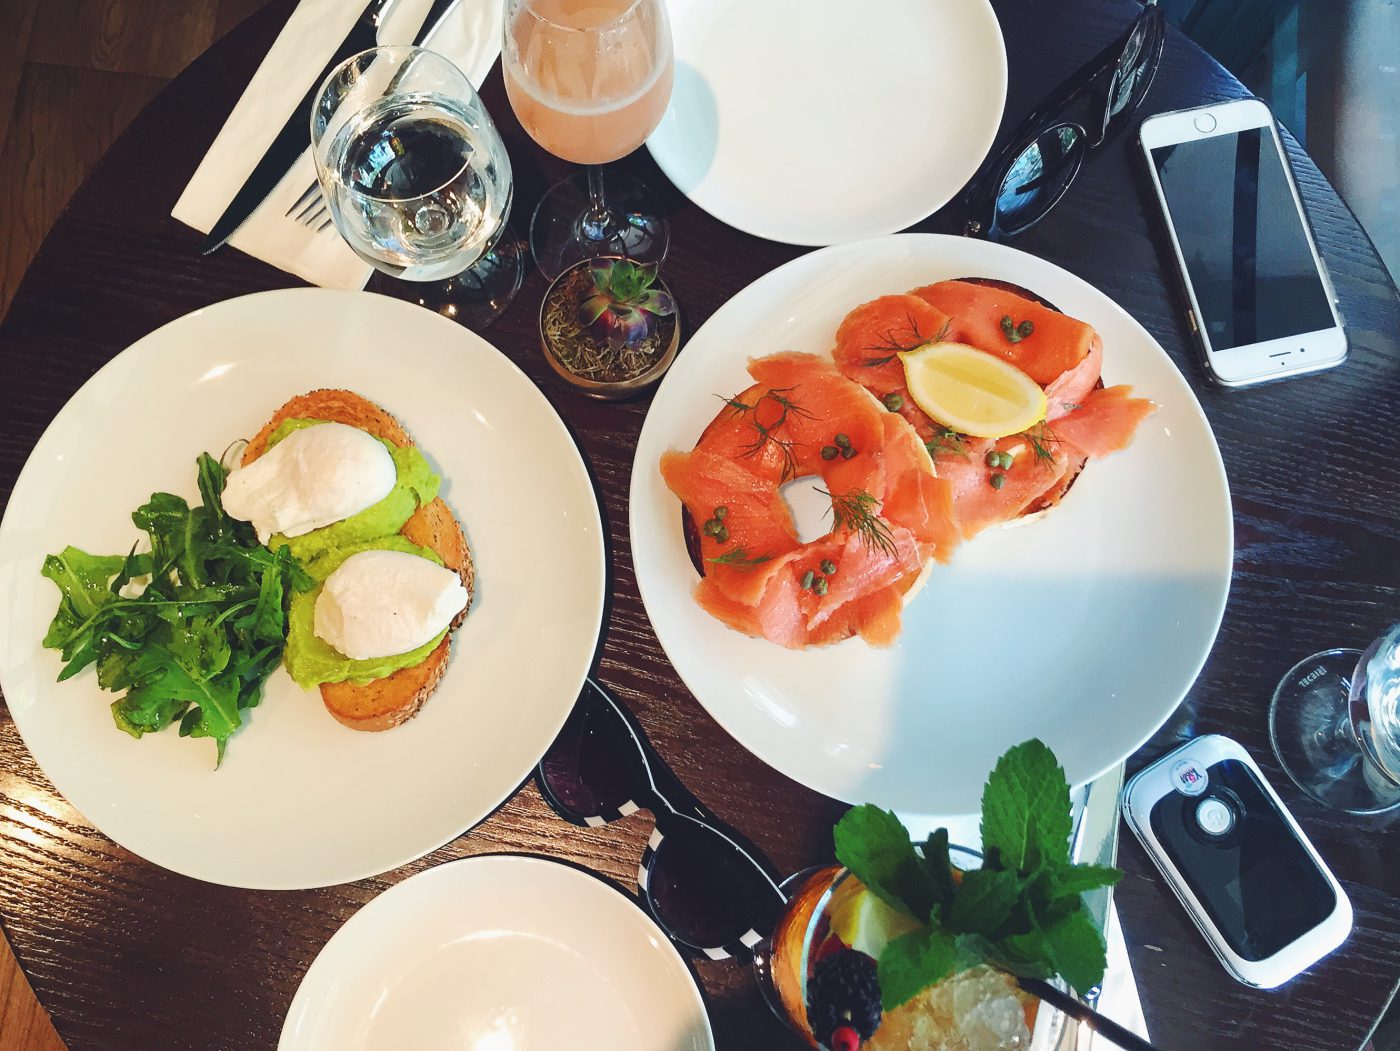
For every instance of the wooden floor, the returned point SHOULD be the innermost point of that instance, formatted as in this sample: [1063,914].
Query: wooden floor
[73,73]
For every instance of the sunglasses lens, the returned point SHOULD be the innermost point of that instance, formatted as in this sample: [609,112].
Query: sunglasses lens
[706,891]
[593,767]
[1135,71]
[1038,177]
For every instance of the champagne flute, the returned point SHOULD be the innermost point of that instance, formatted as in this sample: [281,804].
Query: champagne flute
[417,179]
[1335,725]
[590,80]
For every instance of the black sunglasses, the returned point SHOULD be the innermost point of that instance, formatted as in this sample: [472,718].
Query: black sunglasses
[704,885]
[1017,189]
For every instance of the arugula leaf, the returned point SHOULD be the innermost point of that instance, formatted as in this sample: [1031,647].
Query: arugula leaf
[1025,808]
[83,579]
[914,961]
[874,845]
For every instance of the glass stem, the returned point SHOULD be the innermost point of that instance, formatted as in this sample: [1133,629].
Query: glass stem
[598,223]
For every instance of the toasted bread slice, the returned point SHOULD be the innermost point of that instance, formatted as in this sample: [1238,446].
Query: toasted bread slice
[383,703]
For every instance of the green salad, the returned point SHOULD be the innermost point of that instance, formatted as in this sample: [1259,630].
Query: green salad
[187,633]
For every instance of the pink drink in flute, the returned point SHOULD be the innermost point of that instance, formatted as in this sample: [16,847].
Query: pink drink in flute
[589,80]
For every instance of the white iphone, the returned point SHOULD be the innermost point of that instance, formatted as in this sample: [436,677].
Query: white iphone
[1252,883]
[1259,301]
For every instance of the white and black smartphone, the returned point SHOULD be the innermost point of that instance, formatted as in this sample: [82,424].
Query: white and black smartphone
[1259,301]
[1250,880]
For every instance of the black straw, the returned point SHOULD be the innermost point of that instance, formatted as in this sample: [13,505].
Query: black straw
[1081,1012]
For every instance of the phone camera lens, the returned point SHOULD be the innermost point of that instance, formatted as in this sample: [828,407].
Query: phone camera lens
[1215,816]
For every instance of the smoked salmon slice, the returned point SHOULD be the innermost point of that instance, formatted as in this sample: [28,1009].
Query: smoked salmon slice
[1105,420]
[1055,346]
[890,513]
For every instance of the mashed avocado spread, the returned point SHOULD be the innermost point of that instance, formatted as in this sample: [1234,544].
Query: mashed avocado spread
[415,485]
[310,659]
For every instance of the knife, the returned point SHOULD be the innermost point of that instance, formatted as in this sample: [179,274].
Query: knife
[293,138]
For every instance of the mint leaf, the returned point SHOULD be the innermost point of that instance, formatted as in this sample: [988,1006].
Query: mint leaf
[1025,808]
[874,845]
[939,867]
[1075,948]
[914,961]
[984,901]
[1073,880]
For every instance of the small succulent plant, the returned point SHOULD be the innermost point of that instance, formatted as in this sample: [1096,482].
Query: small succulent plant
[622,308]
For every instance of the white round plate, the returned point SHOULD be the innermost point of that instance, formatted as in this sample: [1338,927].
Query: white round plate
[494,953]
[300,800]
[1084,629]
[821,121]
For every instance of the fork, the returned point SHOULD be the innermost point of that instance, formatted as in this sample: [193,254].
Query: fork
[313,208]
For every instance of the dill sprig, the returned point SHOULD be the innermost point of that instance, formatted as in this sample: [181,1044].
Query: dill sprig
[739,558]
[1040,438]
[947,440]
[766,434]
[891,345]
[856,511]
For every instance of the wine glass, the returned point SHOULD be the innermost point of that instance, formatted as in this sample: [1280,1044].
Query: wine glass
[417,179]
[589,80]
[1335,725]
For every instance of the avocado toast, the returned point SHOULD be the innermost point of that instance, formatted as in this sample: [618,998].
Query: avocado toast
[370,695]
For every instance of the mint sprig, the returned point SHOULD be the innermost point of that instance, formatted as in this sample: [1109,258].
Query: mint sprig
[1022,911]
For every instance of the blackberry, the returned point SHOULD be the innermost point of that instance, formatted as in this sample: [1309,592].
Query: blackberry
[844,990]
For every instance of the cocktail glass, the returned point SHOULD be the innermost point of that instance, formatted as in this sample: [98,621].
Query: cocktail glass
[981,1009]
[589,81]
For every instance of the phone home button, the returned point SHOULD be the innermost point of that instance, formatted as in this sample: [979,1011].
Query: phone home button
[1205,122]
[1215,816]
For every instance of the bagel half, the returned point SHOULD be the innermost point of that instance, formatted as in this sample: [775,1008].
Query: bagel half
[383,703]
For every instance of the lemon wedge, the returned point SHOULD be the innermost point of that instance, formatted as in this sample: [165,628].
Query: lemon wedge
[865,923]
[971,391]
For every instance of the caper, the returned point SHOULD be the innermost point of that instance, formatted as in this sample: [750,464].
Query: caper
[807,579]
[830,452]
[894,402]
[828,566]
[820,586]
[993,459]
[1025,328]
[998,480]
[843,440]
[722,534]
[711,527]
[848,452]
[721,511]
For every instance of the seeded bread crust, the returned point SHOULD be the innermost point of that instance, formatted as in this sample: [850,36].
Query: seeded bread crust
[383,703]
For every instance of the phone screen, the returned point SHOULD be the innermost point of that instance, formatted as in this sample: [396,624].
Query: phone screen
[1256,881]
[1240,233]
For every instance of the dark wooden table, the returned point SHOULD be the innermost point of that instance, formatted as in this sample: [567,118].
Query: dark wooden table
[125,955]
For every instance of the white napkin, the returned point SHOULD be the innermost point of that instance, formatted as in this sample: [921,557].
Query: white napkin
[470,36]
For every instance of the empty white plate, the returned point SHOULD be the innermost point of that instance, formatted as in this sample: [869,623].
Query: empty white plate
[498,953]
[820,121]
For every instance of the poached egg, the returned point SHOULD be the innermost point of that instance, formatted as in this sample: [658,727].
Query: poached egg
[384,603]
[314,477]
